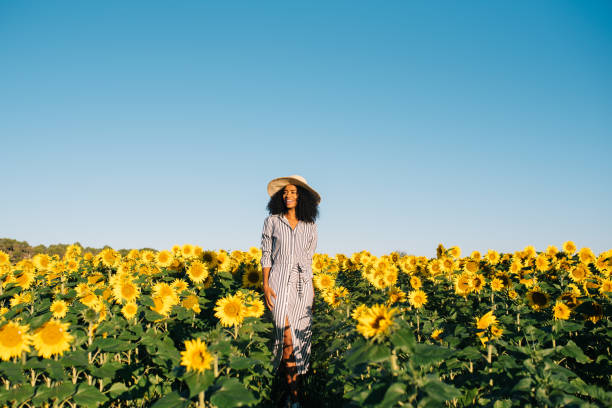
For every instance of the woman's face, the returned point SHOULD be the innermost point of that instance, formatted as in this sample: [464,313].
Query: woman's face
[290,196]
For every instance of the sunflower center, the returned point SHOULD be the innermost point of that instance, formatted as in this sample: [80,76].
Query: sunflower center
[539,298]
[128,290]
[232,309]
[253,277]
[52,334]
[377,322]
[11,336]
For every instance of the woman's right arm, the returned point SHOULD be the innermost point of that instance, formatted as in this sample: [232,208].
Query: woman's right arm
[266,261]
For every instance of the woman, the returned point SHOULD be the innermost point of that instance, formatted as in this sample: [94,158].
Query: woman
[288,242]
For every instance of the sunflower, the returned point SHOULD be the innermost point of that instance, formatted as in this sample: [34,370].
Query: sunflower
[124,290]
[134,254]
[197,272]
[512,294]
[5,259]
[376,321]
[14,340]
[196,356]
[334,296]
[396,295]
[252,277]
[551,250]
[223,261]
[569,247]
[52,339]
[496,331]
[25,279]
[529,252]
[475,255]
[496,284]
[436,334]
[492,257]
[448,264]
[187,250]
[59,308]
[606,286]
[417,298]
[192,302]
[471,266]
[516,266]
[415,282]
[454,251]
[166,292]
[148,256]
[255,308]
[435,267]
[485,321]
[90,300]
[230,310]
[42,261]
[161,306]
[358,311]
[537,298]
[324,281]
[561,310]
[586,255]
[129,310]
[463,284]
[164,259]
[542,263]
[579,273]
[179,285]
[390,277]
[109,257]
[478,282]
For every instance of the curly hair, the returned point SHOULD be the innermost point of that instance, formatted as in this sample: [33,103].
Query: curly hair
[306,210]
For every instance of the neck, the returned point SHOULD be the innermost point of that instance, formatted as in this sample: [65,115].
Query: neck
[290,213]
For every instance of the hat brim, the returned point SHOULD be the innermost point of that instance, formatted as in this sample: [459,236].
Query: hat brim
[279,183]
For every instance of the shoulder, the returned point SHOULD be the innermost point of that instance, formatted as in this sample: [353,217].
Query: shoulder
[271,219]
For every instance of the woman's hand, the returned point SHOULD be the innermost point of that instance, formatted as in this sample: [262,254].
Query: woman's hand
[269,295]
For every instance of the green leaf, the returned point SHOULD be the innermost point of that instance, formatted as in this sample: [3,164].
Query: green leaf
[439,391]
[152,316]
[75,359]
[59,393]
[571,349]
[113,345]
[107,370]
[198,382]
[503,404]
[240,363]
[172,400]
[54,369]
[393,395]
[20,394]
[404,339]
[117,389]
[12,371]
[427,354]
[89,396]
[231,394]
[367,353]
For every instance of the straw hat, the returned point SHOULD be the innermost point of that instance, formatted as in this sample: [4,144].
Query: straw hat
[281,182]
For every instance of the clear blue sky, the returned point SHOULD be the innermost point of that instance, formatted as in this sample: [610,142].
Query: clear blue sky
[145,124]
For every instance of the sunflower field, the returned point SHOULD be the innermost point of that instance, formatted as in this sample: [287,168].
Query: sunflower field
[187,327]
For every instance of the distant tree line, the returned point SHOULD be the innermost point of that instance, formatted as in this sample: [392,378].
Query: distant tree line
[19,250]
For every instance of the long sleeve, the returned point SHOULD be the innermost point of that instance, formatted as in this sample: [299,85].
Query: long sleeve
[312,246]
[306,262]
[266,243]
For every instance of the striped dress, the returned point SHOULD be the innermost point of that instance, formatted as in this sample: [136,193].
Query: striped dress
[288,252]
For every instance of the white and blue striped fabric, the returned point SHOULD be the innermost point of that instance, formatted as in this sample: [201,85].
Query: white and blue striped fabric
[288,252]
